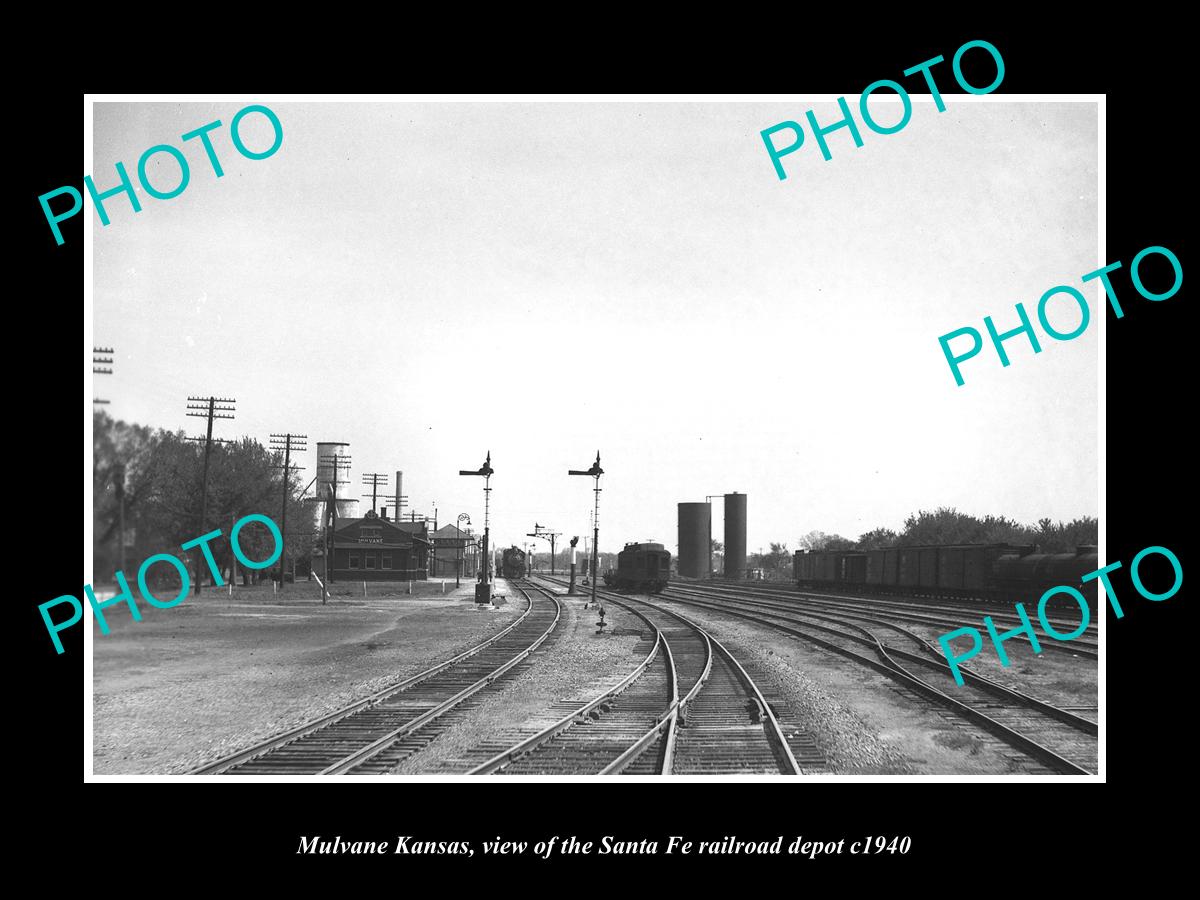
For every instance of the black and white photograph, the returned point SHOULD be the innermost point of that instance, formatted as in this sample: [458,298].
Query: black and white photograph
[677,438]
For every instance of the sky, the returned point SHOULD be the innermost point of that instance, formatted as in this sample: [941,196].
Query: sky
[431,281]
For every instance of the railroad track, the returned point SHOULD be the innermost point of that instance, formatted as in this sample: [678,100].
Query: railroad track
[711,717]
[609,732]
[374,734]
[931,614]
[1056,740]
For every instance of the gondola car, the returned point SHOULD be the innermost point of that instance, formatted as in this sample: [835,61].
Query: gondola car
[512,563]
[641,567]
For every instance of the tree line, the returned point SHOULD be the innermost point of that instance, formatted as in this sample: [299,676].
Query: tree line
[156,475]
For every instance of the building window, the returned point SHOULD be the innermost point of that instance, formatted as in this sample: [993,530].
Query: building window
[354,560]
[370,557]
[386,562]
[368,532]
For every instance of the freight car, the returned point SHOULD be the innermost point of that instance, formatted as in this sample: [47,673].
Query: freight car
[1003,572]
[641,567]
[512,563]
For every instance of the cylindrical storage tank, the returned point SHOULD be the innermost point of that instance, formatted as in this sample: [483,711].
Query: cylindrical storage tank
[735,535]
[326,471]
[695,521]
[347,509]
[316,509]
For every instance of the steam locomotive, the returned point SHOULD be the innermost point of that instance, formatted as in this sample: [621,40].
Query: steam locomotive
[512,563]
[641,567]
[983,571]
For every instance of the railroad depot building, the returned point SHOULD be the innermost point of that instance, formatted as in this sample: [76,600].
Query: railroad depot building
[376,549]
[453,550]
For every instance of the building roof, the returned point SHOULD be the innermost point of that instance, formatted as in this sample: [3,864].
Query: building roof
[349,532]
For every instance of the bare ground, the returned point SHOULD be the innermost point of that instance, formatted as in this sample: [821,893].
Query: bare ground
[212,675]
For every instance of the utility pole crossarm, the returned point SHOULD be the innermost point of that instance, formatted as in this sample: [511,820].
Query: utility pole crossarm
[375,480]
[102,359]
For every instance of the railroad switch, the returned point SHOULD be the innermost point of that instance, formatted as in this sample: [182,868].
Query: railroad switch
[602,624]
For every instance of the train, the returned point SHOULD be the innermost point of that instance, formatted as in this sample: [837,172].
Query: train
[512,563]
[641,567]
[1003,572]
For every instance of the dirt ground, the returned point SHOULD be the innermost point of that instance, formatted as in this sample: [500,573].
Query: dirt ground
[205,678]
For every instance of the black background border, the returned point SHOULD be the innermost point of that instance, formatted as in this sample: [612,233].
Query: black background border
[1139,69]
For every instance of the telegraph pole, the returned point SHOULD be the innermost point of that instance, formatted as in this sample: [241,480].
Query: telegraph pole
[595,472]
[120,492]
[287,443]
[337,461]
[207,408]
[541,531]
[374,480]
[102,358]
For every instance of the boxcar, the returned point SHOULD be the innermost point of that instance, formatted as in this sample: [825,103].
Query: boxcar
[852,567]
[909,567]
[802,567]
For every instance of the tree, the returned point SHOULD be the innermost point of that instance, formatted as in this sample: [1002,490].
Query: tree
[778,559]
[819,540]
[163,476]
[718,556]
[877,539]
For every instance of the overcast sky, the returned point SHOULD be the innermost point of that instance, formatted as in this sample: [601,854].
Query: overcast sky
[431,281]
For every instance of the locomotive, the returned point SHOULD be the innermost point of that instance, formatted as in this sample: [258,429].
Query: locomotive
[512,563]
[977,571]
[641,567]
